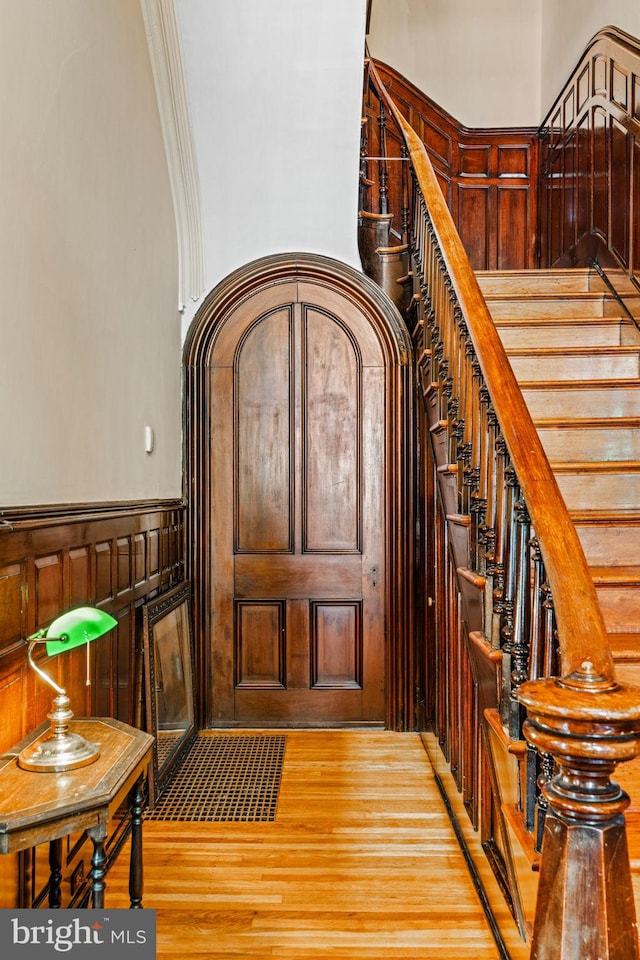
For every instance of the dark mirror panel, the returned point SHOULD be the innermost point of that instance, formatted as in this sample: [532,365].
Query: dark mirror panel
[168,659]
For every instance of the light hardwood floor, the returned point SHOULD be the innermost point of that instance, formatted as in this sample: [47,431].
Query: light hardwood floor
[361,862]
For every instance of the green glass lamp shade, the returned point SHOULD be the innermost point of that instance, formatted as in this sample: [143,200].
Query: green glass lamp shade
[64,749]
[76,627]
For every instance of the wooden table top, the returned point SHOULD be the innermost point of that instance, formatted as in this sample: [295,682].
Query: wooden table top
[37,806]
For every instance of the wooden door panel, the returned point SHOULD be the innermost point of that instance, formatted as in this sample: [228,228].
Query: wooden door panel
[350,315]
[243,316]
[298,576]
[332,437]
[299,707]
[336,645]
[263,499]
[298,655]
[260,645]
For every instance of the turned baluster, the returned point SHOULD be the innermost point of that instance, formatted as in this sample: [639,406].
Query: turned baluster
[405,217]
[542,804]
[550,658]
[507,606]
[521,618]
[473,469]
[496,561]
[536,634]
[383,173]
[364,182]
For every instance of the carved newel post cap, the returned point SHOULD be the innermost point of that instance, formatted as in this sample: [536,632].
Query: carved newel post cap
[587,679]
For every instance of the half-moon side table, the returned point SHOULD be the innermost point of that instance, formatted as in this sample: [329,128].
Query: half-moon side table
[38,807]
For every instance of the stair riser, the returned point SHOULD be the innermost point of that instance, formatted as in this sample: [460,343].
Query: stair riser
[601,491]
[610,546]
[555,280]
[628,673]
[591,305]
[539,307]
[620,608]
[566,444]
[535,282]
[582,401]
[607,367]
[520,335]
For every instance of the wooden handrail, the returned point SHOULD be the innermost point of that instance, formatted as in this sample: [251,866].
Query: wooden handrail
[581,628]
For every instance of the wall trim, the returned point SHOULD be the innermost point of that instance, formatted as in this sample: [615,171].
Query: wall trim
[166,63]
[43,515]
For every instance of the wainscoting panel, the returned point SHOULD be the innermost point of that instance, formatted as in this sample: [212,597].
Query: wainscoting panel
[590,158]
[54,559]
[478,170]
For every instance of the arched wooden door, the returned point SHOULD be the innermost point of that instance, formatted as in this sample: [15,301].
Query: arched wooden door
[298,463]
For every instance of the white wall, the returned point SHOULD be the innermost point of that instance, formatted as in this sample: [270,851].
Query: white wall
[479,61]
[568,26]
[275,94]
[498,63]
[89,330]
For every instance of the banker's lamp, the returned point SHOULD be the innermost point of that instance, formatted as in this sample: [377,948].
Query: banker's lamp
[63,750]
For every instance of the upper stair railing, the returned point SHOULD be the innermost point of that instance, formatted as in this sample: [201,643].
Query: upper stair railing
[528,601]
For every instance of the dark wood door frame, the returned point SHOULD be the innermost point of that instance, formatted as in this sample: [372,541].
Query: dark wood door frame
[396,347]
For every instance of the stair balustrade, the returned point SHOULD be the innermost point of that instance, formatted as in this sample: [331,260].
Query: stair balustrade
[514,596]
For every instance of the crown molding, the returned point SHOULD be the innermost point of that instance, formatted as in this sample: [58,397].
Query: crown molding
[168,74]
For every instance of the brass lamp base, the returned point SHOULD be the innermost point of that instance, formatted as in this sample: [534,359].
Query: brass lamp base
[60,750]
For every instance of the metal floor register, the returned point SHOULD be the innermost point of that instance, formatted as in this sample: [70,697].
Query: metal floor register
[225,778]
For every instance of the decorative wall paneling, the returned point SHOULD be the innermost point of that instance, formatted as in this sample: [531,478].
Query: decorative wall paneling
[488,176]
[590,160]
[52,559]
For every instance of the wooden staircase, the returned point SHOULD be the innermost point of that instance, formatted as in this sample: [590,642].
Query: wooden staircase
[577,359]
[530,562]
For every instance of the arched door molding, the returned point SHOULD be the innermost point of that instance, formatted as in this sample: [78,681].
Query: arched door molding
[395,345]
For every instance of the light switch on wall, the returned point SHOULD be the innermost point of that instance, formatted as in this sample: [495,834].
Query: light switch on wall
[149,439]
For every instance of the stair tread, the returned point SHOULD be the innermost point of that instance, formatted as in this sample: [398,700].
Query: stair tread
[609,320]
[617,575]
[570,326]
[624,646]
[602,423]
[596,466]
[576,278]
[625,515]
[570,351]
[592,295]
[620,384]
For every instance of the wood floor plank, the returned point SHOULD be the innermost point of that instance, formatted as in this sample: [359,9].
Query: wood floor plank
[361,862]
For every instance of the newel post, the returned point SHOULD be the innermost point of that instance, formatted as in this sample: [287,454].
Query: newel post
[585,908]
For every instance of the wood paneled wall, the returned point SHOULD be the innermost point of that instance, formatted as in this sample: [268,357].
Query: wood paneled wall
[590,160]
[488,176]
[113,557]
[110,557]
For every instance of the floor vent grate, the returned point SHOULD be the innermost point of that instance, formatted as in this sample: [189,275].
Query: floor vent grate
[225,778]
